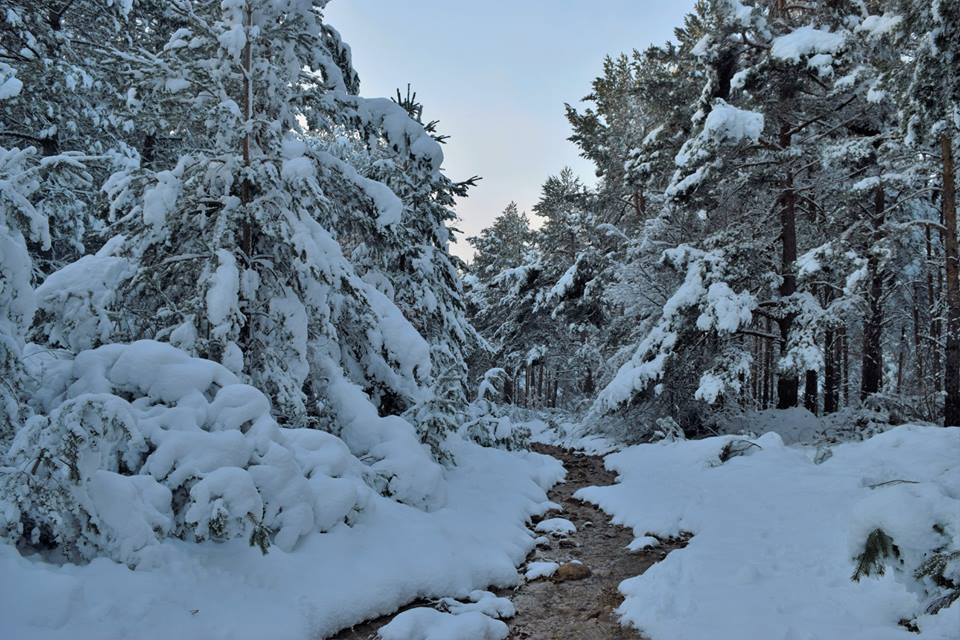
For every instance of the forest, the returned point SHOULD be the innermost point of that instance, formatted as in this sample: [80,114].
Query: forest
[249,391]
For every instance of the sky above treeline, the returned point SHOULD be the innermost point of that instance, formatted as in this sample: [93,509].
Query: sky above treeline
[496,74]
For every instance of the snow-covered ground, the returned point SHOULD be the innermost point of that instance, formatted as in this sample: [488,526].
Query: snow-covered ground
[391,555]
[778,530]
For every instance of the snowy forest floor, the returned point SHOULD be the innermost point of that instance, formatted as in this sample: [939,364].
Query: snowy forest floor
[564,605]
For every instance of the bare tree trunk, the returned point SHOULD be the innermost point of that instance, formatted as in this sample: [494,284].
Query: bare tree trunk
[768,370]
[831,387]
[872,372]
[787,383]
[248,235]
[917,340]
[933,301]
[810,395]
[845,358]
[951,360]
[901,358]
[540,401]
[526,386]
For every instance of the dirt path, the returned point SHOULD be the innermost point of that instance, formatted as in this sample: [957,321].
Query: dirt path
[581,609]
[575,609]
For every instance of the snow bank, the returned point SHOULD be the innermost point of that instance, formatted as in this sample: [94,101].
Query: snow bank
[391,554]
[776,537]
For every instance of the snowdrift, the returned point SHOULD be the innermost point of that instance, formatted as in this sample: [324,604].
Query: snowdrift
[164,500]
[784,542]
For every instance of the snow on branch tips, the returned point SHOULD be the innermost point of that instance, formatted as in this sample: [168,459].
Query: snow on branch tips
[722,311]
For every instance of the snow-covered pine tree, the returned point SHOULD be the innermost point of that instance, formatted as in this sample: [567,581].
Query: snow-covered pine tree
[501,294]
[410,263]
[18,180]
[67,110]
[229,255]
[928,93]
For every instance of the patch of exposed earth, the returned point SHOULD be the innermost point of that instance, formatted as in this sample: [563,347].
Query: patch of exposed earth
[578,600]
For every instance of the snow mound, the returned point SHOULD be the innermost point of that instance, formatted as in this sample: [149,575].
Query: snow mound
[787,543]
[429,624]
[390,555]
[541,570]
[556,526]
[141,442]
[642,543]
[483,601]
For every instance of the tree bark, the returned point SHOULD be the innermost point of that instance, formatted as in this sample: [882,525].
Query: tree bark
[872,372]
[810,395]
[933,301]
[831,386]
[901,358]
[951,360]
[787,382]
[917,339]
[845,359]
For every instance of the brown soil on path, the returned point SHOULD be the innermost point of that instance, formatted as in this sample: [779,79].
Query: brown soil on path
[554,609]
[581,609]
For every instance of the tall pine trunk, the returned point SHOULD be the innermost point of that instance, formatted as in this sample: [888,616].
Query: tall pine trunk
[787,382]
[831,384]
[810,399]
[951,363]
[872,373]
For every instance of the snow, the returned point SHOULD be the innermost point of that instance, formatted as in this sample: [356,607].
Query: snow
[233,40]
[389,206]
[430,624]
[160,199]
[483,601]
[732,125]
[389,555]
[222,292]
[75,300]
[806,41]
[721,309]
[556,526]
[540,569]
[795,425]
[775,535]
[725,124]
[10,87]
[876,26]
[642,543]
[575,435]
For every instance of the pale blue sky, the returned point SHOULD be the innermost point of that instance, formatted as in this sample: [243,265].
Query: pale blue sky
[496,73]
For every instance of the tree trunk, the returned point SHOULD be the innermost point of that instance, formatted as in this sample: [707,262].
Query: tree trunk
[901,358]
[767,370]
[845,359]
[831,387]
[917,340]
[933,300]
[872,372]
[787,383]
[249,239]
[810,399]
[951,360]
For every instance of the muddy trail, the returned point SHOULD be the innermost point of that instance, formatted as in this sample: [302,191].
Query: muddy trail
[578,601]
[581,608]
